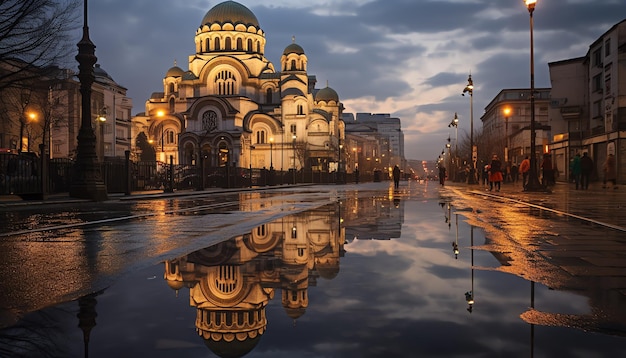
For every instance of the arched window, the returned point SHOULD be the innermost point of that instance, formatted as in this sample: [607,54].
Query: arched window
[217,46]
[260,137]
[172,105]
[268,95]
[228,44]
[258,47]
[169,137]
[293,65]
[225,83]
[300,109]
[207,46]
[171,88]
[239,44]
[250,48]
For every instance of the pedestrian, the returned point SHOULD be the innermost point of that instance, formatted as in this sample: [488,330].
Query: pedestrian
[495,173]
[514,172]
[524,168]
[610,174]
[485,175]
[547,171]
[575,170]
[396,177]
[586,168]
[442,175]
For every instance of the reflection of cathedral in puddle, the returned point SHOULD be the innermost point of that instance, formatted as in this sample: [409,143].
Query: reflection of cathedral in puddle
[231,283]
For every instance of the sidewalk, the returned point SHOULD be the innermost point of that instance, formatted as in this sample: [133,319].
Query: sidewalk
[595,204]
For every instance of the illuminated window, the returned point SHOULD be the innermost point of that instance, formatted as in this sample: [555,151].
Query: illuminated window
[225,83]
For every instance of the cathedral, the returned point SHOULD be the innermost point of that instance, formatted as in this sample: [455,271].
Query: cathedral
[232,108]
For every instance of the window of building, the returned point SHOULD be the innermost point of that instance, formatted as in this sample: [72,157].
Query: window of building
[225,83]
[169,137]
[293,129]
[300,109]
[228,44]
[239,44]
[293,65]
[260,137]
[607,47]
[596,84]
[171,88]
[268,95]
[217,46]
[250,48]
[597,58]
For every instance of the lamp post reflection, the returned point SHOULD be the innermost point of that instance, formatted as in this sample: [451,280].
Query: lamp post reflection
[469,296]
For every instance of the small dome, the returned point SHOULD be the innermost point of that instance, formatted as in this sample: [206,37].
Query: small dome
[175,72]
[293,48]
[327,94]
[230,12]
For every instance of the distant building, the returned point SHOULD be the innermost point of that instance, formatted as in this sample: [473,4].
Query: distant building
[232,108]
[383,130]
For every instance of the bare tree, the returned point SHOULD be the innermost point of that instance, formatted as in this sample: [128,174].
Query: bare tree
[34,35]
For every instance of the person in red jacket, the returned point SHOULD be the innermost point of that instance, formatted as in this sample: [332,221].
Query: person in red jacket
[524,168]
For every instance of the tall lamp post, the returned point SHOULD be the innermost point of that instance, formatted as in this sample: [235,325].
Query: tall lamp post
[251,149]
[469,88]
[271,161]
[88,182]
[455,124]
[533,179]
[294,157]
[101,119]
[507,113]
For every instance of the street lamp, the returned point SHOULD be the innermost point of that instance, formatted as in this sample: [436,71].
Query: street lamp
[507,113]
[271,154]
[251,148]
[294,157]
[455,124]
[533,180]
[102,117]
[32,118]
[87,182]
[339,177]
[470,89]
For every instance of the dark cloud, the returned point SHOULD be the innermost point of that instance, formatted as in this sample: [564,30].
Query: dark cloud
[365,50]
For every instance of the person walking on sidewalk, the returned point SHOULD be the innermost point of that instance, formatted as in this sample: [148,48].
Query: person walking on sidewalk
[442,175]
[610,174]
[575,170]
[547,171]
[495,173]
[524,168]
[396,177]
[586,168]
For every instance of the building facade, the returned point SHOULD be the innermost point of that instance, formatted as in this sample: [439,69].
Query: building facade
[506,125]
[589,103]
[233,108]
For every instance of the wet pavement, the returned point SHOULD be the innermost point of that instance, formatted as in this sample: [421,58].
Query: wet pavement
[323,271]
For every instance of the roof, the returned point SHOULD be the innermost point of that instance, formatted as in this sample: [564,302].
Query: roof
[230,12]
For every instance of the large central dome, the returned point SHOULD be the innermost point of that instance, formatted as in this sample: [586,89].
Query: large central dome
[230,12]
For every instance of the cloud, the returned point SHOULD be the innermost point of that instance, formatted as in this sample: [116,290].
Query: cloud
[400,57]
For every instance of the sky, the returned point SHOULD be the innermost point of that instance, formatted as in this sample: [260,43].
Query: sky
[408,58]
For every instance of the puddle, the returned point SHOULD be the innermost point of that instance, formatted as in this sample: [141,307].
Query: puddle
[363,278]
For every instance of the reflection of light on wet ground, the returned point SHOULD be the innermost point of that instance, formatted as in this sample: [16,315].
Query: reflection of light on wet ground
[398,290]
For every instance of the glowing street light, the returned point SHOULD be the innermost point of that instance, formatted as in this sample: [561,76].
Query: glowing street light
[469,88]
[533,179]
[507,113]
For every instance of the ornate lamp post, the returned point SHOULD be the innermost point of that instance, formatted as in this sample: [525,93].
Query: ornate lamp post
[533,179]
[271,181]
[87,183]
[469,88]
